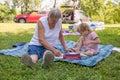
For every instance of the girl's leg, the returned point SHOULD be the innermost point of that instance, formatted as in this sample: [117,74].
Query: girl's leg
[82,54]
[89,53]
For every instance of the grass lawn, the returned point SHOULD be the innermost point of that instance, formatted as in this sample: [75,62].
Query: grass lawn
[11,67]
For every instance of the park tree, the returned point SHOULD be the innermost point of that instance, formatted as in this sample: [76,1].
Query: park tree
[54,4]
[6,13]
[112,12]
[93,8]
[102,10]
[117,15]
[27,5]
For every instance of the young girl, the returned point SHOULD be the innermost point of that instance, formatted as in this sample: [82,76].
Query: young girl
[87,44]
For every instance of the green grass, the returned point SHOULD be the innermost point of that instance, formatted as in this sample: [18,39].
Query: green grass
[11,67]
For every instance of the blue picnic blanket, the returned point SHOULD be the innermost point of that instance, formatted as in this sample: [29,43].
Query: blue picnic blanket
[105,51]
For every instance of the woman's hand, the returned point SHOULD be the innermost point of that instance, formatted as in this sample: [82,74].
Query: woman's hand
[57,53]
[66,50]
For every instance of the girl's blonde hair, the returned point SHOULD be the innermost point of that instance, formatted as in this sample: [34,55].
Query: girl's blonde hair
[83,27]
[55,13]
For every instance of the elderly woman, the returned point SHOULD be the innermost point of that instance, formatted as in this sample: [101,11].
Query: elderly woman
[43,43]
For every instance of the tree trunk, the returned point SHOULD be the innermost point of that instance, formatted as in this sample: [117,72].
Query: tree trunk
[54,4]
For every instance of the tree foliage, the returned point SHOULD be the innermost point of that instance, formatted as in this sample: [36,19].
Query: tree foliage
[27,5]
[6,13]
[98,11]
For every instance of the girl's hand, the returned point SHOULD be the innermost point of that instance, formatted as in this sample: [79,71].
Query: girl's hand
[70,50]
[74,50]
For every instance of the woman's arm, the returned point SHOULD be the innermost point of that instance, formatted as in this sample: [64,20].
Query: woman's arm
[62,40]
[41,36]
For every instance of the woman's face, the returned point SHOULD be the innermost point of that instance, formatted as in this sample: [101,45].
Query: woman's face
[52,21]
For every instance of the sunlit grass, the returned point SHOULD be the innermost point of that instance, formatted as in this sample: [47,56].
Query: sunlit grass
[18,27]
[15,27]
[112,25]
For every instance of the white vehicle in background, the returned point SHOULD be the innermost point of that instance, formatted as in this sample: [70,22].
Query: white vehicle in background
[73,16]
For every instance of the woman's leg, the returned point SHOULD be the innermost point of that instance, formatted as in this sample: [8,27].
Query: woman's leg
[34,58]
[27,60]
[35,53]
[47,58]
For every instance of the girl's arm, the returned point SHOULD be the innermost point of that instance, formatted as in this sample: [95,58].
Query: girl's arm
[94,41]
[78,45]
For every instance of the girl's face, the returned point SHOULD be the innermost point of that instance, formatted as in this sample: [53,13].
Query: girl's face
[84,33]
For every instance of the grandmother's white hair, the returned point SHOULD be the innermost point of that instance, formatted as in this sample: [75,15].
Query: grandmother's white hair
[55,13]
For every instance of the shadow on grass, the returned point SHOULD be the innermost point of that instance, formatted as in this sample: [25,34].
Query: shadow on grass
[9,38]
